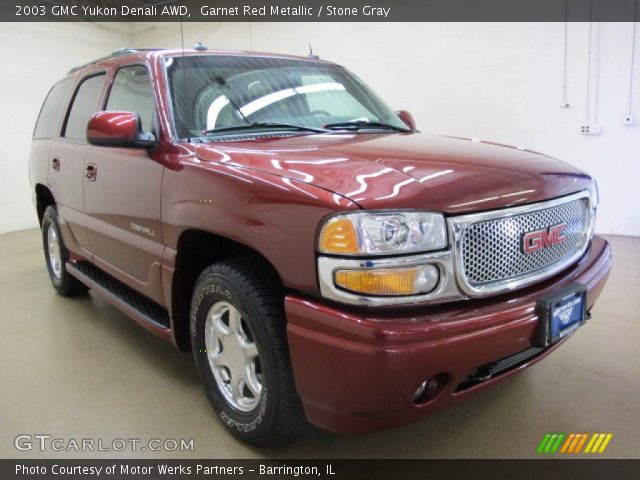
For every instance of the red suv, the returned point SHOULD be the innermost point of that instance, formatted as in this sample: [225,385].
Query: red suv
[324,261]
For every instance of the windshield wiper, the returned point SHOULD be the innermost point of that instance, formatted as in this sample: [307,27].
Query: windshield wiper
[363,124]
[258,125]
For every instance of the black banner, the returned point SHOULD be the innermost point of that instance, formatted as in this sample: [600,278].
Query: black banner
[546,469]
[319,10]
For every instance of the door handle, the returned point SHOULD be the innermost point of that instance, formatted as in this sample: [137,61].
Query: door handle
[55,164]
[90,172]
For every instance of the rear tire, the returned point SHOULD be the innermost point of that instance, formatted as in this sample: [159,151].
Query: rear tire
[57,255]
[238,333]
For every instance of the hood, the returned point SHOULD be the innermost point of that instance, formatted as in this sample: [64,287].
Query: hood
[417,170]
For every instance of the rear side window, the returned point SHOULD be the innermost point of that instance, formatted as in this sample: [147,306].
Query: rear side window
[85,104]
[131,92]
[51,109]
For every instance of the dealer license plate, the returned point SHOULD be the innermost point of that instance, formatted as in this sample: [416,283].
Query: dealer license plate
[561,313]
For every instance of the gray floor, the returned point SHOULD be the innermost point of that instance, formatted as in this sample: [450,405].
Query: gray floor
[78,368]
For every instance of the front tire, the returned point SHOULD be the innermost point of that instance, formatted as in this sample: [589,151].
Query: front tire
[57,255]
[238,333]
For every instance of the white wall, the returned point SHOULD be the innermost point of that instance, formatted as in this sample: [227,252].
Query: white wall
[34,56]
[500,82]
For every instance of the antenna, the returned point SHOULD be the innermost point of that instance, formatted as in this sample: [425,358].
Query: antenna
[311,54]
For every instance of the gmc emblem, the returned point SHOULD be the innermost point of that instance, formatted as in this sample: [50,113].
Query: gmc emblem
[546,237]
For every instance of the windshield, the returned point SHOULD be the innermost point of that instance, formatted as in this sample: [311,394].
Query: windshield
[215,92]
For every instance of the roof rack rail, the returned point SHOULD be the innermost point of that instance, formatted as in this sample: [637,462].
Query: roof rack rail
[117,53]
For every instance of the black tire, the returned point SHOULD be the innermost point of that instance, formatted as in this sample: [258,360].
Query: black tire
[277,417]
[64,283]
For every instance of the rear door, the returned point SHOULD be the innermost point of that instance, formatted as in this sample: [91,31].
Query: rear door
[67,162]
[123,196]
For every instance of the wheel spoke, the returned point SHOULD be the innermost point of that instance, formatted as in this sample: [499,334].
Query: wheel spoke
[218,323]
[211,336]
[220,358]
[235,322]
[252,382]
[236,391]
[250,350]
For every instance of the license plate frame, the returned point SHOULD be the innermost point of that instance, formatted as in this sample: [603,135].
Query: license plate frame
[560,313]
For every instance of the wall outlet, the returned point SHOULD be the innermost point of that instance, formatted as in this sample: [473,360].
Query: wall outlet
[628,119]
[590,129]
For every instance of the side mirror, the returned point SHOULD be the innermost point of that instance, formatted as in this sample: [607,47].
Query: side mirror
[118,129]
[407,118]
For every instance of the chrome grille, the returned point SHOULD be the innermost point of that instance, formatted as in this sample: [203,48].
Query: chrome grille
[492,248]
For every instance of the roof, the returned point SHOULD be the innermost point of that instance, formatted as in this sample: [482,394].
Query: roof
[136,52]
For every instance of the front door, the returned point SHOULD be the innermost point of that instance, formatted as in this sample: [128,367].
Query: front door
[122,194]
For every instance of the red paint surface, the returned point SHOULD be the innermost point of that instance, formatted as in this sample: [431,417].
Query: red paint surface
[112,126]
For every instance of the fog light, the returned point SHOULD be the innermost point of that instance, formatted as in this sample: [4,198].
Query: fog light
[420,390]
[415,280]
[430,388]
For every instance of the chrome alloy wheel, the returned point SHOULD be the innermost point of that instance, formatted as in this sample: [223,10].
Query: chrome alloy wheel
[233,356]
[55,252]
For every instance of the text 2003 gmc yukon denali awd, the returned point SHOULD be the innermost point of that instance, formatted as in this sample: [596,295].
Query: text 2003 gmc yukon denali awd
[323,260]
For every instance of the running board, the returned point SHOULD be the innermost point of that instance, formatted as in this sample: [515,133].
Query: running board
[146,312]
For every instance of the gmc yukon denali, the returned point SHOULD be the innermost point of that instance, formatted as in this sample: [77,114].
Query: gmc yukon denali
[324,261]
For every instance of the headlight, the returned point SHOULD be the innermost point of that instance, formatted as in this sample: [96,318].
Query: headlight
[595,196]
[595,199]
[383,233]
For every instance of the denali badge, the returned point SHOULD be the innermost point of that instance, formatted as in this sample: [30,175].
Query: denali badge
[546,237]
[142,229]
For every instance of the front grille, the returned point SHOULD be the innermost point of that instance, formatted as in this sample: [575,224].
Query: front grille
[492,248]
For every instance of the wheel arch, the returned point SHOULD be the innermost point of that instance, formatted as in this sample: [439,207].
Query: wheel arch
[44,198]
[197,249]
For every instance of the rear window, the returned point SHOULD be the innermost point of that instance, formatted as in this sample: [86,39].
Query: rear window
[51,109]
[84,105]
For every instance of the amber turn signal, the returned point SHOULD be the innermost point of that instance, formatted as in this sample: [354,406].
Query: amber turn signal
[416,280]
[338,236]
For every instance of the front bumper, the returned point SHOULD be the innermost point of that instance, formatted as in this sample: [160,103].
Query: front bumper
[356,370]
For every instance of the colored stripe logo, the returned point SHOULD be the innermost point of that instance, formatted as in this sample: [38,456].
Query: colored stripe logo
[574,443]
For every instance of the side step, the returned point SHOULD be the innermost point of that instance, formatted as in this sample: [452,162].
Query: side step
[143,310]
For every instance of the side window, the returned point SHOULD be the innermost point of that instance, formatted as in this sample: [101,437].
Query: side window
[84,105]
[51,109]
[131,92]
